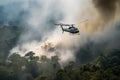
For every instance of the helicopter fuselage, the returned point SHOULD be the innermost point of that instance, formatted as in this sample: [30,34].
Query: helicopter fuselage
[70,29]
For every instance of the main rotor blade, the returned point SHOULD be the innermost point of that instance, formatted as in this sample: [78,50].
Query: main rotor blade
[83,21]
[65,24]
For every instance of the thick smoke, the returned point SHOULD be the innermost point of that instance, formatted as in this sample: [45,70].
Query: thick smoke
[102,14]
[102,28]
[44,38]
[107,8]
[41,35]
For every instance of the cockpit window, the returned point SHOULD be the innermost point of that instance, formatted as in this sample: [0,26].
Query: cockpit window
[71,27]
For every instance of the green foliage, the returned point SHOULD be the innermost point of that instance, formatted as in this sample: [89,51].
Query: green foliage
[46,76]
[5,73]
[106,68]
[30,55]
[44,59]
[30,67]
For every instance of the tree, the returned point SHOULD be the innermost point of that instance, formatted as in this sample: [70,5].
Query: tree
[55,63]
[30,55]
[5,73]
[44,59]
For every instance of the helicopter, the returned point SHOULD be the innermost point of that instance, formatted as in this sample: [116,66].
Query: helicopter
[71,29]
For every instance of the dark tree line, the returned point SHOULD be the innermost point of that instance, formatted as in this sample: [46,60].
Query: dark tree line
[30,67]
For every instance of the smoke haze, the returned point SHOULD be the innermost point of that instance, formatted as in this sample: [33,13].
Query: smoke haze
[41,35]
[44,38]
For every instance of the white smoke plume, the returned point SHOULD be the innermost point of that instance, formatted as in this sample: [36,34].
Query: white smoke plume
[42,36]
